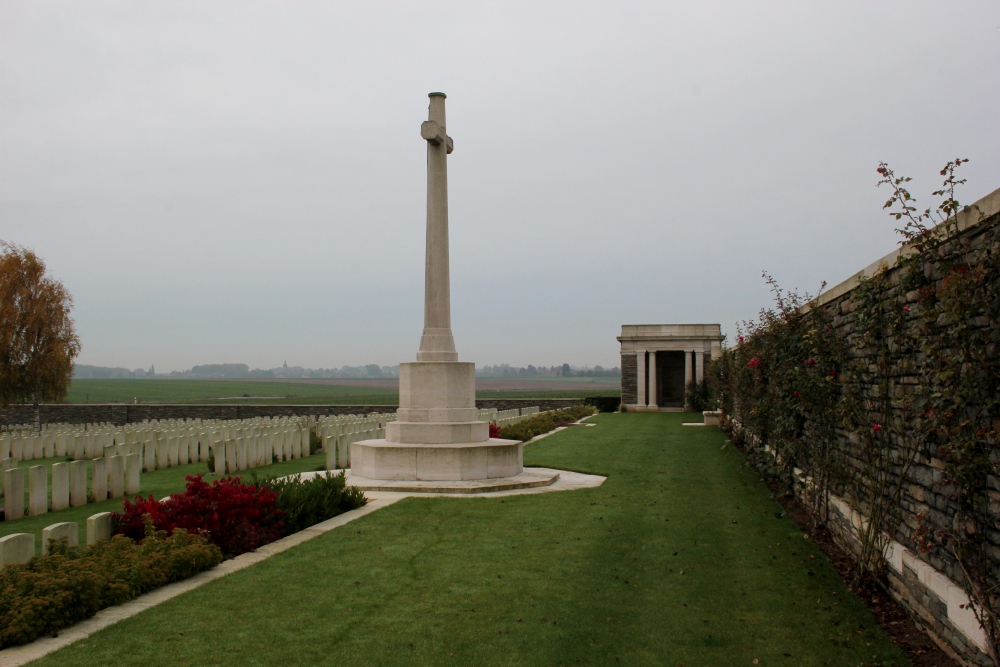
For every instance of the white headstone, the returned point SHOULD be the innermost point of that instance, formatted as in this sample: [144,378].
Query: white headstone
[38,490]
[99,480]
[78,483]
[98,527]
[116,476]
[60,486]
[13,494]
[57,531]
[16,549]
[133,470]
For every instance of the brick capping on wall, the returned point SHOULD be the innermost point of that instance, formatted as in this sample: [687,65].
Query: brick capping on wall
[123,413]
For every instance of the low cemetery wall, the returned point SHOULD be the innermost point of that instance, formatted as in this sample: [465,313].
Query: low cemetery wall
[923,571]
[121,414]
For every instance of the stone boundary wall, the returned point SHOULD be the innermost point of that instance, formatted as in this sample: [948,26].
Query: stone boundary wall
[937,602]
[927,584]
[121,414]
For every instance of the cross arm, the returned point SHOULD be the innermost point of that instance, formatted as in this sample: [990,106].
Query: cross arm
[435,134]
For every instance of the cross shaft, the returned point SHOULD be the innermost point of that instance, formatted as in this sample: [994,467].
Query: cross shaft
[437,342]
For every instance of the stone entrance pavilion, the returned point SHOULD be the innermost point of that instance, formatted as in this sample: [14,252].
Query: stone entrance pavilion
[659,360]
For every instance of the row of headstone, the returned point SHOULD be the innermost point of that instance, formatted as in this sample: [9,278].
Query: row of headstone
[236,444]
[19,548]
[255,451]
[507,417]
[111,477]
[76,440]
[337,433]
[90,441]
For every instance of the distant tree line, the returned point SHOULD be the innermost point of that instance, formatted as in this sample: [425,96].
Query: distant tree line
[369,371]
[240,371]
[506,371]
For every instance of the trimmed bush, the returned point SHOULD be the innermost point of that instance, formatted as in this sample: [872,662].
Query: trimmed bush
[604,403]
[545,422]
[70,585]
[307,502]
[236,516]
[701,396]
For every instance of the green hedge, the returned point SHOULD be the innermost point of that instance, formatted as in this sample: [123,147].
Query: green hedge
[70,585]
[545,422]
[307,502]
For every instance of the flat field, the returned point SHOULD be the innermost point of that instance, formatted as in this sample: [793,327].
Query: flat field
[318,392]
[681,557]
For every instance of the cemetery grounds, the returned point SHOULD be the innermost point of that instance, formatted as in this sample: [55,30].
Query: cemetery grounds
[682,557]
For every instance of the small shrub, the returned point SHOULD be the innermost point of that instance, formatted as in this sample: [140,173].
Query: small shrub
[69,585]
[307,502]
[545,422]
[700,395]
[211,463]
[235,516]
[494,430]
[603,403]
[315,444]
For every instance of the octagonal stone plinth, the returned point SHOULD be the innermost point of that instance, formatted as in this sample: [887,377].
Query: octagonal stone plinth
[381,459]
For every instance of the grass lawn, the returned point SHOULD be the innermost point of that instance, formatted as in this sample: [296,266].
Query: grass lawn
[681,557]
[159,483]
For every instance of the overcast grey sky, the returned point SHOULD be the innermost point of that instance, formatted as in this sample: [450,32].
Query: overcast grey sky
[245,181]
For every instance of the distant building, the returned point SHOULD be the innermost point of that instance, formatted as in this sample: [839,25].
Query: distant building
[660,360]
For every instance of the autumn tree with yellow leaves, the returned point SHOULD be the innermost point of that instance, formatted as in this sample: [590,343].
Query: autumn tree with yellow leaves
[37,339]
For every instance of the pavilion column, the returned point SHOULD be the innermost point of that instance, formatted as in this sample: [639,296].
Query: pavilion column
[699,366]
[652,380]
[640,376]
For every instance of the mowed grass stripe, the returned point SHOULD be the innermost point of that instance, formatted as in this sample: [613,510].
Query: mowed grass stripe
[680,557]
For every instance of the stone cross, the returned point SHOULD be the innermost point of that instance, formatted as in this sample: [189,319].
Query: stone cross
[437,343]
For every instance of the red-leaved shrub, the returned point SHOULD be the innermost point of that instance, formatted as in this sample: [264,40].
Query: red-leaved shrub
[235,516]
[494,430]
